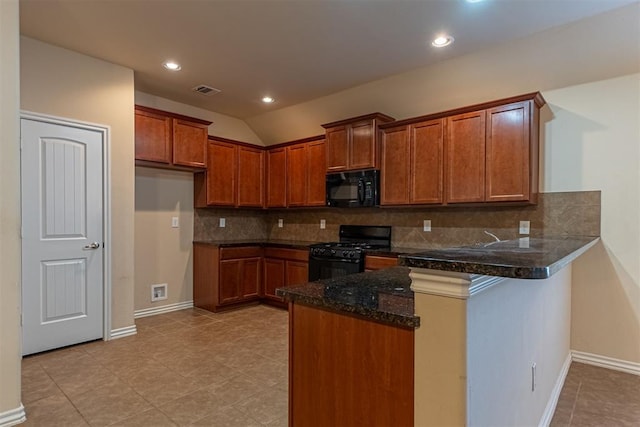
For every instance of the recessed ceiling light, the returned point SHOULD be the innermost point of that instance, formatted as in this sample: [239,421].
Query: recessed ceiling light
[173,66]
[267,99]
[442,41]
[474,1]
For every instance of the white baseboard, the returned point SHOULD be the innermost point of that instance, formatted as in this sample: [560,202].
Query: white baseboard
[606,362]
[555,393]
[123,332]
[13,416]
[162,309]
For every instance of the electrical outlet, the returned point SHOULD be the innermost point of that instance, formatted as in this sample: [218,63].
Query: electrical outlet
[223,223]
[533,377]
[426,225]
[175,222]
[323,224]
[525,227]
[280,222]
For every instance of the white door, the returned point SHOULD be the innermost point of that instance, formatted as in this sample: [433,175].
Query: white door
[62,235]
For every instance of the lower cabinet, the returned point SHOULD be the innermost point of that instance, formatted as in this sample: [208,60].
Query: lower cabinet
[228,277]
[373,262]
[284,267]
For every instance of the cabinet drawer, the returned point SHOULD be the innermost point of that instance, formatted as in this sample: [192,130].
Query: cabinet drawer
[240,252]
[292,254]
[379,262]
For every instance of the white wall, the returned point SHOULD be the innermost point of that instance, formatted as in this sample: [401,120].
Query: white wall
[593,143]
[510,327]
[10,331]
[63,83]
[223,125]
[163,253]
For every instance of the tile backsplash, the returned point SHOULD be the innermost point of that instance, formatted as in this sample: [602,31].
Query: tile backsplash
[569,213]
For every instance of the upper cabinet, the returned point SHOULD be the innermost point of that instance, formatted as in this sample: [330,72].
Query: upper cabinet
[234,176]
[352,144]
[296,174]
[485,153]
[306,174]
[412,164]
[169,140]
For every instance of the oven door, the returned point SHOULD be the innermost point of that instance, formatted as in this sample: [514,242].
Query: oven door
[329,268]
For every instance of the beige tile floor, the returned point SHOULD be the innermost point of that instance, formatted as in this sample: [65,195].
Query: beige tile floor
[188,367]
[192,367]
[598,397]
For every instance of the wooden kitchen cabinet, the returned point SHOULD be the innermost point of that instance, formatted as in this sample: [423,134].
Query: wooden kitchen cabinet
[510,152]
[412,164]
[276,184]
[352,144]
[221,174]
[306,174]
[485,153]
[226,277]
[364,370]
[169,140]
[283,267]
[373,262]
[465,157]
[250,177]
[234,176]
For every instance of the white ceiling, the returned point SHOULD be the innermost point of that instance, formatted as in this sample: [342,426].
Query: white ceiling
[293,50]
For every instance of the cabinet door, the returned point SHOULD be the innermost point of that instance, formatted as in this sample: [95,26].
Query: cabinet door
[427,160]
[189,144]
[296,175]
[273,277]
[221,185]
[250,278]
[362,147]
[277,178]
[337,149]
[153,137]
[394,168]
[229,281]
[465,157]
[250,177]
[508,153]
[316,173]
[297,272]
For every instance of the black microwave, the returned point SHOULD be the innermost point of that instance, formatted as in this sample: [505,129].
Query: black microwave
[353,189]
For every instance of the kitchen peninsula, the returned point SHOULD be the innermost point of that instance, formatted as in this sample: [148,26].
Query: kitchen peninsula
[477,335]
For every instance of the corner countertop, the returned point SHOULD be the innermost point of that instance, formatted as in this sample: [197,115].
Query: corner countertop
[526,258]
[383,296]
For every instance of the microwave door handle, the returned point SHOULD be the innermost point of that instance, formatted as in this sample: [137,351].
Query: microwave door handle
[361,191]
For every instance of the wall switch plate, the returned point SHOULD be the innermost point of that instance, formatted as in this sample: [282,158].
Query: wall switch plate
[525,227]
[223,222]
[158,292]
[323,224]
[523,242]
[280,222]
[175,222]
[426,225]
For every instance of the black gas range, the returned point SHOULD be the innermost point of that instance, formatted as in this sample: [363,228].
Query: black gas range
[335,259]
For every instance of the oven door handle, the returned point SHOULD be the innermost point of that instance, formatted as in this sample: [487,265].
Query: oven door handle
[351,261]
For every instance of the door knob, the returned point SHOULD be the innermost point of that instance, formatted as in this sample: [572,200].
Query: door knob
[94,245]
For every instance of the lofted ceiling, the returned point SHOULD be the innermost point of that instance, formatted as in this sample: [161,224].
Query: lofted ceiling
[292,50]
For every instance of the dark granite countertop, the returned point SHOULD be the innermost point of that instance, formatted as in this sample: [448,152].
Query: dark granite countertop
[384,296]
[529,258]
[289,244]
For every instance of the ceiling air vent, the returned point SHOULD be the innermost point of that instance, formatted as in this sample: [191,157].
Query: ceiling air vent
[206,90]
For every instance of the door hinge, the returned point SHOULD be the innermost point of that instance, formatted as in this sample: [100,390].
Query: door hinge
[21,319]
